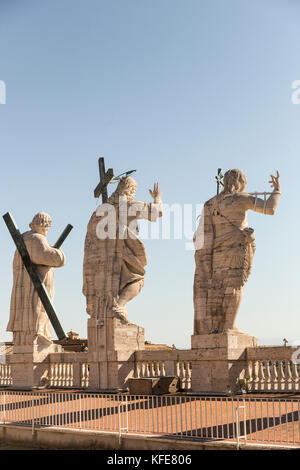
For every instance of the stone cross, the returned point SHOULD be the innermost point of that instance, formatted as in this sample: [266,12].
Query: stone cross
[285,341]
[34,276]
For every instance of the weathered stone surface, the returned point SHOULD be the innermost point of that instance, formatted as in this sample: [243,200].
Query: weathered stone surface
[28,318]
[113,274]
[114,256]
[153,385]
[221,359]
[111,352]
[29,363]
[225,247]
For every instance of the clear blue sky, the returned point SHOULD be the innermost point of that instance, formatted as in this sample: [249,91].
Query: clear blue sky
[174,89]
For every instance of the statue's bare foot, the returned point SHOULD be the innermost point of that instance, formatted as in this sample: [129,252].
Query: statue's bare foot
[119,311]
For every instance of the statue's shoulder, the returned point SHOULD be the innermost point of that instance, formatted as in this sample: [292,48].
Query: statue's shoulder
[242,197]
[32,235]
[210,201]
[242,194]
[34,239]
[234,197]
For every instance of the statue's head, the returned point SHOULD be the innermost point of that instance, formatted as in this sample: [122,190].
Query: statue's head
[41,223]
[234,181]
[126,187]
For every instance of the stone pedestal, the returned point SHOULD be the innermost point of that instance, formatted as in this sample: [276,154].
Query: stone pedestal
[111,348]
[29,363]
[219,360]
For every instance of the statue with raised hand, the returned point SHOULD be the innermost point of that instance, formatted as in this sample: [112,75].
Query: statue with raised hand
[225,246]
[114,256]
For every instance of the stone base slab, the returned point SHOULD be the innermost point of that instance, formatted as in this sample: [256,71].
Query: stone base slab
[111,348]
[29,363]
[231,340]
[220,359]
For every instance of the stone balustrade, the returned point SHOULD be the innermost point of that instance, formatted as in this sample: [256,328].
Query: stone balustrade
[149,369]
[268,369]
[164,362]
[68,370]
[184,372]
[5,375]
[271,369]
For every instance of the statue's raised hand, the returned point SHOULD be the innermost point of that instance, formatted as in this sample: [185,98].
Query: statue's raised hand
[156,193]
[275,182]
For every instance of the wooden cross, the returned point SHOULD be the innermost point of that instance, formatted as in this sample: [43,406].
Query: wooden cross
[33,273]
[219,178]
[105,178]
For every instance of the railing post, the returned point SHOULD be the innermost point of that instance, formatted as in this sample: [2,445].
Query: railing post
[237,423]
[4,407]
[32,413]
[80,408]
[119,418]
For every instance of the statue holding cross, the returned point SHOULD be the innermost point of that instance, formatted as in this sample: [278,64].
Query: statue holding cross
[113,269]
[33,283]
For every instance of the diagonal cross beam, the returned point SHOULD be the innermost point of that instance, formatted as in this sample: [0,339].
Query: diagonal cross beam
[33,273]
[105,178]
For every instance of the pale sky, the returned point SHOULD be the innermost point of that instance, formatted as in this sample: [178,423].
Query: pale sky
[174,89]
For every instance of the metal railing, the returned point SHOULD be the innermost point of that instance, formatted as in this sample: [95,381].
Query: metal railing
[256,420]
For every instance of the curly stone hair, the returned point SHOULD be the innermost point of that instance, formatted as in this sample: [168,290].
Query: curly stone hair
[234,181]
[42,219]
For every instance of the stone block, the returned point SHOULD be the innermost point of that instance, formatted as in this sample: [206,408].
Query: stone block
[111,352]
[153,385]
[219,361]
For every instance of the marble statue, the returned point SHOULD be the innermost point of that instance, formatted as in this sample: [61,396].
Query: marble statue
[113,267]
[225,246]
[28,318]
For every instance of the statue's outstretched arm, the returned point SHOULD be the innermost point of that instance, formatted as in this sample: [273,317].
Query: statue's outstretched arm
[148,210]
[268,205]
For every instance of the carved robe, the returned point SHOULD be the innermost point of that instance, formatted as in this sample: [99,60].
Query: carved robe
[27,314]
[111,264]
[223,264]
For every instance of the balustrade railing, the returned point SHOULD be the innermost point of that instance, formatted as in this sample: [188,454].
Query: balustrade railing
[5,374]
[184,372]
[157,368]
[68,374]
[272,376]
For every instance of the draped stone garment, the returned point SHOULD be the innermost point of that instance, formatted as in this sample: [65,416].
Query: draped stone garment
[111,264]
[27,314]
[223,265]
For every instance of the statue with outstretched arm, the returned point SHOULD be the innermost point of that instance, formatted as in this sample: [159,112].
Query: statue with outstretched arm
[225,246]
